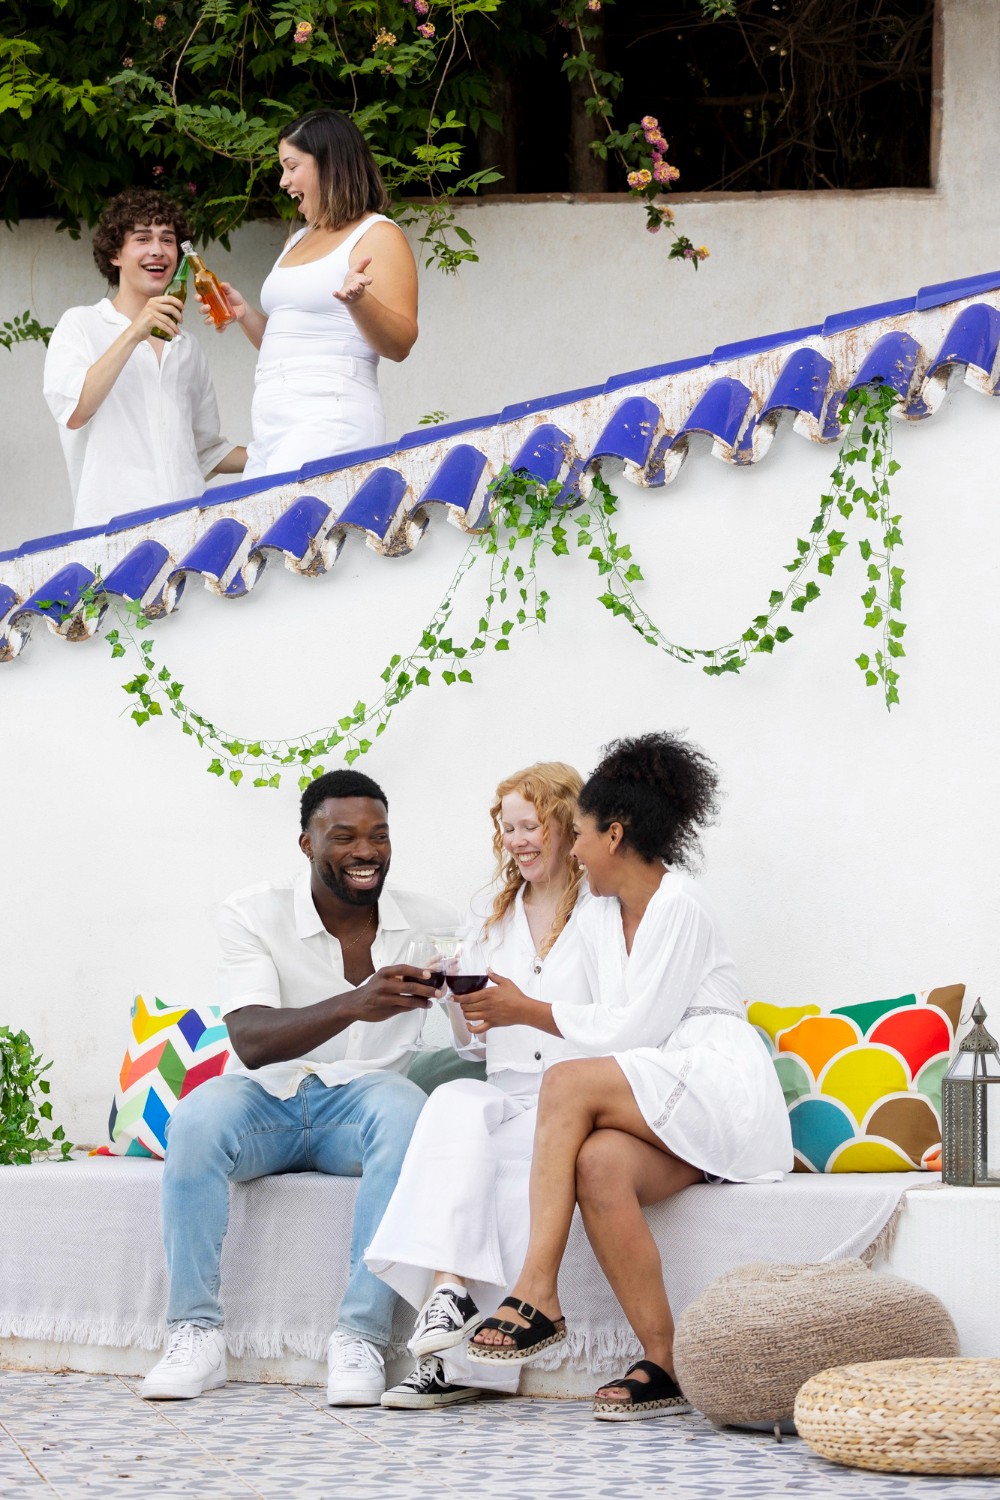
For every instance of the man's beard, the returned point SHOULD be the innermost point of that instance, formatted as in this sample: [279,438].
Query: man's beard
[346,893]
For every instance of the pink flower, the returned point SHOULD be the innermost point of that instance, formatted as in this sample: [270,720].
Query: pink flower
[421,7]
[157,171]
[639,179]
[192,188]
[689,252]
[303,32]
[126,62]
[159,22]
[654,227]
[593,4]
[657,158]
[702,252]
[426,30]
[384,39]
[649,122]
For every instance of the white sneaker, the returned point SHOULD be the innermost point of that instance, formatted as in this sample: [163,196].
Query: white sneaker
[357,1371]
[195,1361]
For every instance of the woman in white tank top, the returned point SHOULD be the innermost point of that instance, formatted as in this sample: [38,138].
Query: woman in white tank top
[342,294]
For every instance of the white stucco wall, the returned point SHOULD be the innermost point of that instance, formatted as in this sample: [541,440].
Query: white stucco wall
[568,293]
[855,855]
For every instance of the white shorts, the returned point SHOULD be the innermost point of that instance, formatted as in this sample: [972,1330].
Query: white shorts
[305,409]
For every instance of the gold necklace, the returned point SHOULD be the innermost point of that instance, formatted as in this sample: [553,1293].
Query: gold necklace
[346,947]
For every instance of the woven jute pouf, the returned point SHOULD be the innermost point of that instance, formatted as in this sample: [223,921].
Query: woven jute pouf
[754,1336]
[909,1416]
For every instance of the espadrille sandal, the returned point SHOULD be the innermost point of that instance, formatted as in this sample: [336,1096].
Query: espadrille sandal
[659,1396]
[541,1333]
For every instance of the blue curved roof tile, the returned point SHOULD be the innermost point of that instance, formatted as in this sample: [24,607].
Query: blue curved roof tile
[644,419]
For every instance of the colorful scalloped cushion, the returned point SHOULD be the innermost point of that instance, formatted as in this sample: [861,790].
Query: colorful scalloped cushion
[863,1082]
[171,1051]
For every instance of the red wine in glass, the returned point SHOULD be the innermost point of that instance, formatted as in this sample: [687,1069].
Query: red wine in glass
[467,984]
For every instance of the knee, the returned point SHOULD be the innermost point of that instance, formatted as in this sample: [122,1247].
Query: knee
[600,1178]
[198,1123]
[561,1087]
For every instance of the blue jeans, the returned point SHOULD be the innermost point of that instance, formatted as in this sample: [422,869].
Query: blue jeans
[232,1130]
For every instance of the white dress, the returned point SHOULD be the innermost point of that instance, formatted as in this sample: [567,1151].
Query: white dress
[316,387]
[671,1015]
[461,1202]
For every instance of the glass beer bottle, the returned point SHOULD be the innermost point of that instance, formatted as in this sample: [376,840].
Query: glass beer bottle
[178,289]
[207,285]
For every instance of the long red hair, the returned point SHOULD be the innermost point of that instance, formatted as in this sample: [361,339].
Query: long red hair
[552,787]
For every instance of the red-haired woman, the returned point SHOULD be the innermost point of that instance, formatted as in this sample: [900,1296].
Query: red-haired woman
[456,1226]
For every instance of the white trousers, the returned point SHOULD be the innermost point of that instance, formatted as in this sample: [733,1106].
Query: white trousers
[461,1204]
[306,409]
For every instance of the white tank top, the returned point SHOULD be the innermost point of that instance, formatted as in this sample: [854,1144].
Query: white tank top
[304,319]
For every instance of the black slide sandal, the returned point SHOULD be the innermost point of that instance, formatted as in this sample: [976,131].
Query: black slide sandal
[660,1396]
[542,1333]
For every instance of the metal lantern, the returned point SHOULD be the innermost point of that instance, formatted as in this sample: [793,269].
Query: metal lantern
[970,1110]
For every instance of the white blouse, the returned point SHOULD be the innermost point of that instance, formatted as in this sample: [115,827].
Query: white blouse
[509,949]
[679,966]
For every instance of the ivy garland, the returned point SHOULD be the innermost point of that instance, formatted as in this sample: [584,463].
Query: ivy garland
[529,517]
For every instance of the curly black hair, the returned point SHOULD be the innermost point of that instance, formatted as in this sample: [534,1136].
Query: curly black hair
[120,217]
[339,784]
[660,789]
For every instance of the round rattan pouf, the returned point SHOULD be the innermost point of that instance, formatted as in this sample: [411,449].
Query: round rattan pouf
[755,1335]
[911,1416]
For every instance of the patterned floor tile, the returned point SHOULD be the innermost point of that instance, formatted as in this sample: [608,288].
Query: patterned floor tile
[65,1437]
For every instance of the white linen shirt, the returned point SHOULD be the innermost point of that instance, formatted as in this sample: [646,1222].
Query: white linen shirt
[274,950]
[154,438]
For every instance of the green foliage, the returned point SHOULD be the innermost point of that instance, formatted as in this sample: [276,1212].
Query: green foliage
[21,1114]
[24,329]
[190,96]
[528,519]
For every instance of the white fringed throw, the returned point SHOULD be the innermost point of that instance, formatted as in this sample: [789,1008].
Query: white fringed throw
[81,1259]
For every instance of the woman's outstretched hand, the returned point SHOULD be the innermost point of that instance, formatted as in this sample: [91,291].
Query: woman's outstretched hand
[355,282]
[500,1004]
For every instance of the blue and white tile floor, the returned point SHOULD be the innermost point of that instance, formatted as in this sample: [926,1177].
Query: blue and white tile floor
[90,1435]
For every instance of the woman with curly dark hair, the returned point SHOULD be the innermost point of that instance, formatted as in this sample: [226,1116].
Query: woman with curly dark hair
[674,1086]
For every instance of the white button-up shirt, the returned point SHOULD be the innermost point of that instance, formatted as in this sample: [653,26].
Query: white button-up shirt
[274,950]
[155,437]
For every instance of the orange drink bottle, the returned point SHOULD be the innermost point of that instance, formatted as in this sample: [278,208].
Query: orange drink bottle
[206,284]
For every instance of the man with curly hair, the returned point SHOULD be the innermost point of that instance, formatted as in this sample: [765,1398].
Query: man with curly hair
[137,413]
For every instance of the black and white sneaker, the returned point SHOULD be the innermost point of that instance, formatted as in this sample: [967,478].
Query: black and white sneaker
[426,1386]
[447,1317]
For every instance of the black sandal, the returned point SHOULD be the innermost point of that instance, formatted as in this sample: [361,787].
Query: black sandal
[659,1396]
[541,1333]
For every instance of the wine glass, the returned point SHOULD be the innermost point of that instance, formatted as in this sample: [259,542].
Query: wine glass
[438,952]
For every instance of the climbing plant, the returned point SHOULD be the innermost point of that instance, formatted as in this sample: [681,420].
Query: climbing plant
[529,518]
[24,1117]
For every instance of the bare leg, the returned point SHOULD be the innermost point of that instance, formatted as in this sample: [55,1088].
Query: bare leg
[576,1099]
[616,1176]
[451,1277]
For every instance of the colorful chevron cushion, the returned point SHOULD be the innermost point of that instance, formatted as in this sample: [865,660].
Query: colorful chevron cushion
[863,1082]
[172,1050]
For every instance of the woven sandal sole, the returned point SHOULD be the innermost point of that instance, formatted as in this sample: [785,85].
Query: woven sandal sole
[510,1354]
[622,1411]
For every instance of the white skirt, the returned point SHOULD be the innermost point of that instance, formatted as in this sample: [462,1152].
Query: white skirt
[461,1204]
[713,1098]
[305,409]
